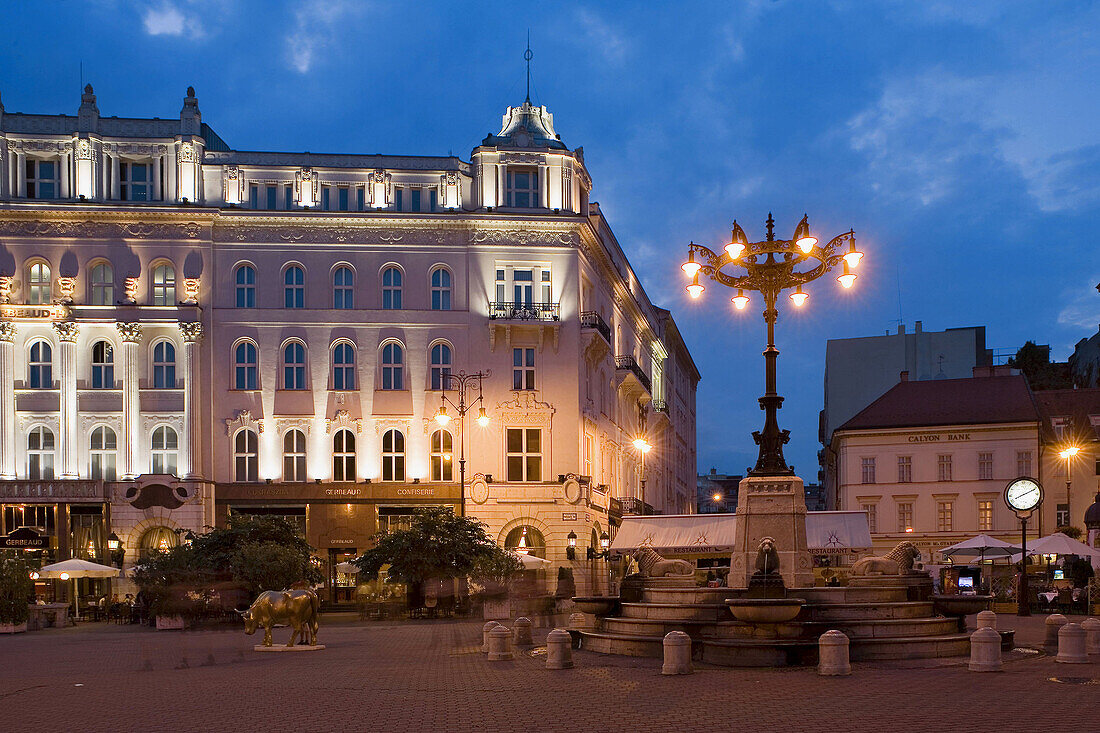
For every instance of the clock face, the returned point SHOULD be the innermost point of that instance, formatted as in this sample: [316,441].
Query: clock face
[1023,494]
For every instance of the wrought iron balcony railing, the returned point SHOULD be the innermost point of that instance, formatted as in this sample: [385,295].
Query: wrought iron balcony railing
[592,319]
[628,363]
[512,311]
[660,406]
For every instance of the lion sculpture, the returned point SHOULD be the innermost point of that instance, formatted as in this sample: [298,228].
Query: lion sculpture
[652,565]
[767,557]
[899,561]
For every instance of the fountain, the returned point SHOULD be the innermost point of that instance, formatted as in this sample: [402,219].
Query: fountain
[766,604]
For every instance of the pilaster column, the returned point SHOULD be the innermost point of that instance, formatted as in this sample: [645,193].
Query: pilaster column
[131,404]
[189,459]
[156,178]
[21,174]
[7,400]
[69,441]
[116,184]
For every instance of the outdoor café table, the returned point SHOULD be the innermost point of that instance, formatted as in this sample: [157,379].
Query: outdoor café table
[1049,596]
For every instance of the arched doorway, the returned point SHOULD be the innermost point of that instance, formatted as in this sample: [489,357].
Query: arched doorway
[156,540]
[526,540]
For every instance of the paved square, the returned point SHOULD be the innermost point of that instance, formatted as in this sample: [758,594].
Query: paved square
[429,676]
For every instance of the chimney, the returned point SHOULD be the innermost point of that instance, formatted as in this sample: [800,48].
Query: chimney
[87,117]
[905,376]
[917,327]
[901,328]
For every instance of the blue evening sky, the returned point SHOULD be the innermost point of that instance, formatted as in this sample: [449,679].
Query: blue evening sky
[959,140]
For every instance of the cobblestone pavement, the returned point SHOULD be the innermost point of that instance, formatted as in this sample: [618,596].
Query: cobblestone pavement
[429,676]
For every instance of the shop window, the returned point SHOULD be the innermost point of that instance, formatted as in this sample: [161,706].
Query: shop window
[526,540]
[343,456]
[343,367]
[164,285]
[40,366]
[40,449]
[393,366]
[294,366]
[391,289]
[164,365]
[393,456]
[246,286]
[395,518]
[442,465]
[102,284]
[244,366]
[245,456]
[294,287]
[165,450]
[87,533]
[102,453]
[524,454]
[103,365]
[39,517]
[441,289]
[441,365]
[293,515]
[39,284]
[294,456]
[343,283]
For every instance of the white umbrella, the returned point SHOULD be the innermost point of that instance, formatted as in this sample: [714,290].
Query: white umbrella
[347,568]
[530,562]
[1060,544]
[980,546]
[77,568]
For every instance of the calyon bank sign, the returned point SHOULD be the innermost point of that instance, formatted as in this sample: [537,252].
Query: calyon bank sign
[939,438]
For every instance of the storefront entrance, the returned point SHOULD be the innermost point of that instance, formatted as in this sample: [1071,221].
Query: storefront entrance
[341,584]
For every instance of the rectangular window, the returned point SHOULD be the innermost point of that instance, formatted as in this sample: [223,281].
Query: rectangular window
[414,204]
[985,516]
[1061,515]
[522,189]
[905,517]
[546,286]
[905,469]
[523,368]
[1023,463]
[253,196]
[288,198]
[944,512]
[360,198]
[42,179]
[343,197]
[524,454]
[500,286]
[272,198]
[872,516]
[135,181]
[326,200]
[985,466]
[398,199]
[433,200]
[586,465]
[868,465]
[943,467]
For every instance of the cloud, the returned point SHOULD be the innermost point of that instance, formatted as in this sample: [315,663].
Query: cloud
[1083,309]
[315,23]
[166,19]
[600,35]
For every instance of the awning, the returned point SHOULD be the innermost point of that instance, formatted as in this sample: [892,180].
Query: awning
[695,534]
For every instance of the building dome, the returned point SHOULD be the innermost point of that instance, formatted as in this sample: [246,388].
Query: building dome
[526,126]
[1092,514]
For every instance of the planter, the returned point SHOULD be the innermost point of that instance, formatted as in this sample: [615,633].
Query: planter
[765,610]
[169,623]
[13,628]
[596,605]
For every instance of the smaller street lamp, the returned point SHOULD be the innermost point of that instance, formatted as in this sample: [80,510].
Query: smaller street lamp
[462,382]
[643,447]
[1067,454]
[571,550]
[113,542]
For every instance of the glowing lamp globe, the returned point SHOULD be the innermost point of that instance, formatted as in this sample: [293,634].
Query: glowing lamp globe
[442,417]
[847,279]
[798,297]
[734,249]
[853,256]
[806,244]
[482,418]
[695,289]
[691,268]
[740,300]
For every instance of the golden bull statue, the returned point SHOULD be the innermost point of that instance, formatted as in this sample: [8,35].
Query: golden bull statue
[296,608]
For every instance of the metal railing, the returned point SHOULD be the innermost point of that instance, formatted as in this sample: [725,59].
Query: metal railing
[660,406]
[628,363]
[512,311]
[592,319]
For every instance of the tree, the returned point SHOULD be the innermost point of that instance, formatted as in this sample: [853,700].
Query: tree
[268,566]
[437,544]
[16,588]
[1034,362]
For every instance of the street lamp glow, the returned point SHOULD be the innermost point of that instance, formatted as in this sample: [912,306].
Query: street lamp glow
[798,297]
[64,576]
[802,237]
[734,249]
[695,289]
[1070,452]
[847,279]
[854,255]
[642,445]
[738,242]
[691,267]
[482,418]
[442,417]
[717,497]
[740,300]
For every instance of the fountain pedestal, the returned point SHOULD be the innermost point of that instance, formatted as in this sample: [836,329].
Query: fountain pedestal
[771,506]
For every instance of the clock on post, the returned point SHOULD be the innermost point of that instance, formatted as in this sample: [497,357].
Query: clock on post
[1023,495]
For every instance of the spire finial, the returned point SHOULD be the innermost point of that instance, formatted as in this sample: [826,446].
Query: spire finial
[527,55]
[771,227]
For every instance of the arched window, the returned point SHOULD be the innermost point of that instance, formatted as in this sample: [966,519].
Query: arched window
[391,289]
[294,456]
[246,286]
[165,446]
[441,289]
[40,366]
[441,365]
[343,456]
[40,453]
[164,365]
[294,287]
[244,366]
[343,366]
[526,540]
[393,366]
[442,467]
[102,279]
[294,366]
[103,365]
[393,456]
[164,285]
[156,540]
[102,453]
[39,284]
[343,283]
[245,456]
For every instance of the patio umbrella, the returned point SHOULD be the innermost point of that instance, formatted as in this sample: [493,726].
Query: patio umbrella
[530,562]
[347,568]
[1060,544]
[77,568]
[980,546]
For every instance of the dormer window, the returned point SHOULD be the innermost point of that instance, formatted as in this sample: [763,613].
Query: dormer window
[135,181]
[42,179]
[523,188]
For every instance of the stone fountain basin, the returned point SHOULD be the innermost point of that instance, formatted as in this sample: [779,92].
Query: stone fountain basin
[957,605]
[596,605]
[765,610]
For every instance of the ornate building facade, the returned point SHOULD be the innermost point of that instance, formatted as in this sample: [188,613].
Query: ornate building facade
[191,331]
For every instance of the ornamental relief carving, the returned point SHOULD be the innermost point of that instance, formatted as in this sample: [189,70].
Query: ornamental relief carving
[243,419]
[524,237]
[283,424]
[99,230]
[382,424]
[521,158]
[130,332]
[50,419]
[174,421]
[342,234]
[525,409]
[343,419]
[83,150]
[113,421]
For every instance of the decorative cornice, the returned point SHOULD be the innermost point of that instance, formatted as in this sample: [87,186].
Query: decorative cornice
[343,420]
[525,409]
[66,330]
[91,229]
[191,331]
[130,332]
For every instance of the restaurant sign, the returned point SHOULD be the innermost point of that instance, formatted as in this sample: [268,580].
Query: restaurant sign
[25,538]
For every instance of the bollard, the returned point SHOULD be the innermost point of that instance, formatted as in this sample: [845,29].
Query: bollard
[1054,622]
[1092,635]
[559,650]
[489,626]
[577,621]
[1071,645]
[521,632]
[677,648]
[987,620]
[500,645]
[985,650]
[832,654]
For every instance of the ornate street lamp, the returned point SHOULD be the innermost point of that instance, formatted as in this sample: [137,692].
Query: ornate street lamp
[769,268]
[1068,454]
[643,447]
[571,550]
[462,381]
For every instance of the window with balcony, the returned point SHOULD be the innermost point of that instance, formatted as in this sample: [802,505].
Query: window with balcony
[523,454]
[522,187]
[343,456]
[42,178]
[164,365]
[103,365]
[40,449]
[523,292]
[245,456]
[393,456]
[294,456]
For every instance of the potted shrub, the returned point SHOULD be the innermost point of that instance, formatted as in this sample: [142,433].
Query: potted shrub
[16,587]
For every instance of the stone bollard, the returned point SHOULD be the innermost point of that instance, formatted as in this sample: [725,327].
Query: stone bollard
[1054,622]
[1092,635]
[677,653]
[521,632]
[987,620]
[985,650]
[489,626]
[832,654]
[1071,645]
[500,645]
[577,621]
[559,650]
